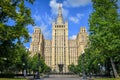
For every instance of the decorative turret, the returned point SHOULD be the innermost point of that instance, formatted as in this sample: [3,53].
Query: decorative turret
[37,30]
[82,29]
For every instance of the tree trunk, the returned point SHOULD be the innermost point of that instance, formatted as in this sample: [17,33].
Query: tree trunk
[114,69]
[107,67]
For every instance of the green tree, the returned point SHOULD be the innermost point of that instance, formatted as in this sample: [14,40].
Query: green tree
[43,68]
[11,33]
[21,58]
[73,68]
[104,31]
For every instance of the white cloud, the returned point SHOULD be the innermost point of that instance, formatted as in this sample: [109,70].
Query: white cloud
[73,37]
[54,8]
[46,30]
[79,15]
[76,3]
[43,22]
[37,17]
[76,18]
[47,18]
[65,13]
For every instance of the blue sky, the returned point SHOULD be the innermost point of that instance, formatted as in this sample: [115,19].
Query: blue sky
[45,11]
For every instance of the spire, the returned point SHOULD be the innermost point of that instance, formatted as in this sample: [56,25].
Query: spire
[60,17]
[59,9]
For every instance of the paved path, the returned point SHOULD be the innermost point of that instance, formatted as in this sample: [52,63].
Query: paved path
[61,77]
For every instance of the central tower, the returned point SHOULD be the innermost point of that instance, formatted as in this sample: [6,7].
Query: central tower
[60,56]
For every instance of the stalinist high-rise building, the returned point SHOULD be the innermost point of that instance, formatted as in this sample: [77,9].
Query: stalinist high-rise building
[60,42]
[59,52]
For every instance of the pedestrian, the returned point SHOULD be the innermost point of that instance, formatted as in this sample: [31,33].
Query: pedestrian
[24,73]
[34,75]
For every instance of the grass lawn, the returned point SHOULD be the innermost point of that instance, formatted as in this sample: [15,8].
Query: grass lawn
[13,79]
[107,79]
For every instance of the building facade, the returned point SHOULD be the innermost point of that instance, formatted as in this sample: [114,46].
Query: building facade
[48,52]
[59,52]
[36,46]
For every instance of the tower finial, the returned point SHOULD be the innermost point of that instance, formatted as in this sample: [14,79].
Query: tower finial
[59,8]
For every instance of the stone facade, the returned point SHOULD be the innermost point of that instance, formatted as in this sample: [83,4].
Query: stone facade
[48,52]
[60,43]
[73,55]
[36,46]
[59,52]
[82,39]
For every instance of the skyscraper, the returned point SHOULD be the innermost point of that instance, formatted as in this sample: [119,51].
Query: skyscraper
[60,43]
[60,52]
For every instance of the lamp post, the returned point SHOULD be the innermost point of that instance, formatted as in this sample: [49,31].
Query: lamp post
[4,64]
[24,70]
[84,75]
[99,68]
[38,76]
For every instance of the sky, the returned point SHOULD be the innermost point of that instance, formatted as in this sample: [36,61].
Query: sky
[76,12]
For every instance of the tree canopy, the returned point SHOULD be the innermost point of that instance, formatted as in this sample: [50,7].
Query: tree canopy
[14,17]
[104,32]
[102,55]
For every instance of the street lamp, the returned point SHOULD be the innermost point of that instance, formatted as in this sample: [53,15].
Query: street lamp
[4,64]
[99,68]
[84,75]
[24,70]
